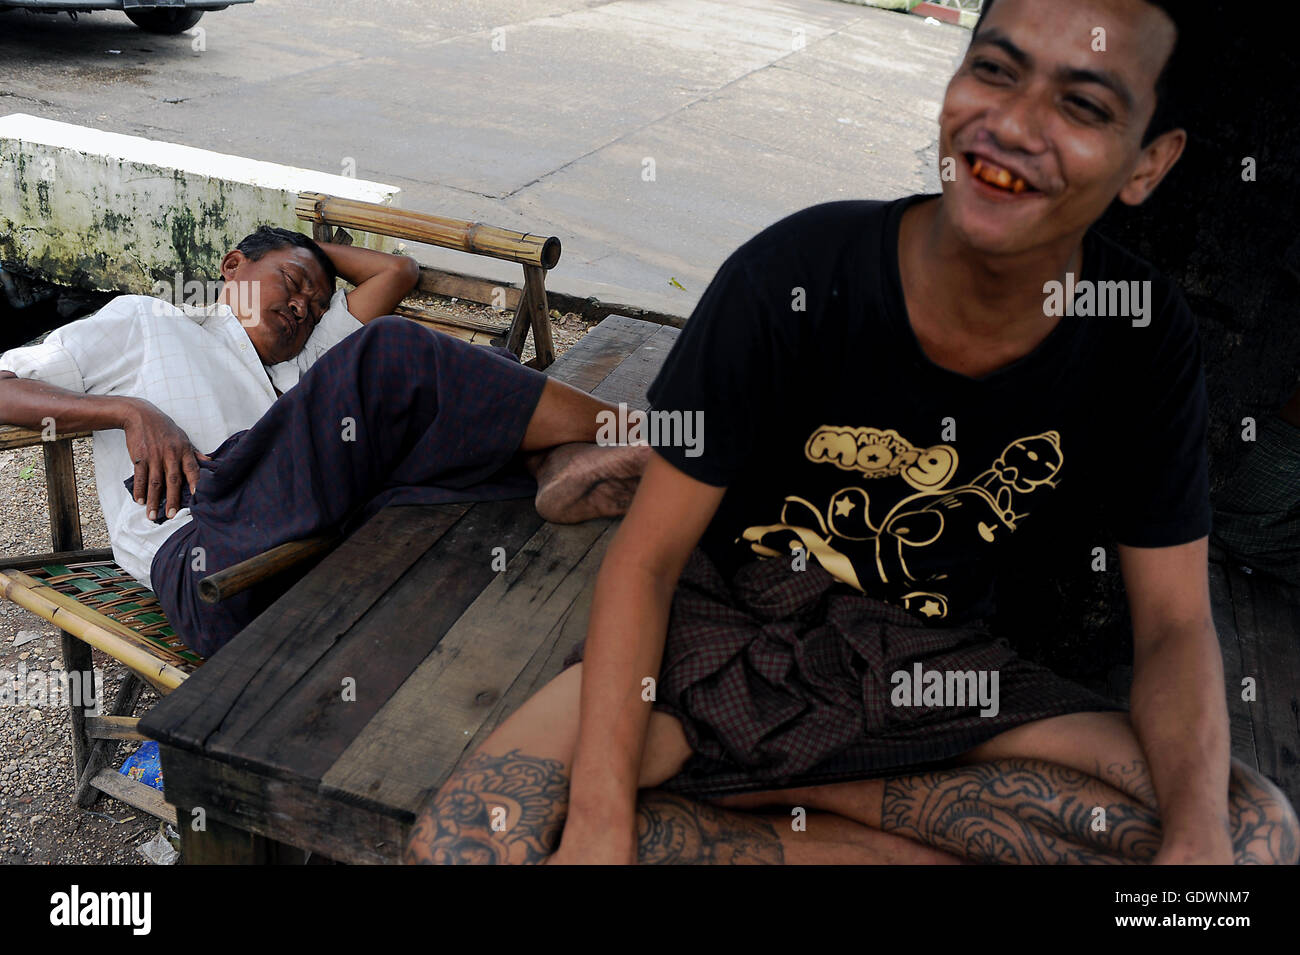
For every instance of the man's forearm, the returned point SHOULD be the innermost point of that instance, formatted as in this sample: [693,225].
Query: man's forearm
[356,265]
[32,404]
[625,641]
[1180,716]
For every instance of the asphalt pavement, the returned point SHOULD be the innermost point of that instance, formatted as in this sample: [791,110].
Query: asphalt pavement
[652,136]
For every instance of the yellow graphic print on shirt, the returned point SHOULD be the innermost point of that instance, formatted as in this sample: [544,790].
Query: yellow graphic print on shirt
[867,553]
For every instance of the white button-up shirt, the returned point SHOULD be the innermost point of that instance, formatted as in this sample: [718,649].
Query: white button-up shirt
[195,364]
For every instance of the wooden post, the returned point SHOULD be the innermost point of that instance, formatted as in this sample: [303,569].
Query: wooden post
[532,313]
[65,535]
[61,485]
[540,318]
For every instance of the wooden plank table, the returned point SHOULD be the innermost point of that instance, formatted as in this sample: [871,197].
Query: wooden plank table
[325,724]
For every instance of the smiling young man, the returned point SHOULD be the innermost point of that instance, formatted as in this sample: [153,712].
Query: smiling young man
[793,620]
[314,406]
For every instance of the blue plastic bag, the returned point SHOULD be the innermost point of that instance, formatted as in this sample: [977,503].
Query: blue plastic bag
[144,765]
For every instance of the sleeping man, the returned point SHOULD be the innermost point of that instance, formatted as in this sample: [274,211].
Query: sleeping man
[787,658]
[288,409]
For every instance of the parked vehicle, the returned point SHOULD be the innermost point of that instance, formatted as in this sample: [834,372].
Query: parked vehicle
[155,16]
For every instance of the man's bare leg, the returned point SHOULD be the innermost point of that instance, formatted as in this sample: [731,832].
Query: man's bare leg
[577,480]
[1041,793]
[506,803]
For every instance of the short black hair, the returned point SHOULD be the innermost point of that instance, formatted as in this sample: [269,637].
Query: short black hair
[269,238]
[1165,116]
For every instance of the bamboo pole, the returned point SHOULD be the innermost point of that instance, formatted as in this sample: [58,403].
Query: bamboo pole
[238,577]
[103,633]
[459,234]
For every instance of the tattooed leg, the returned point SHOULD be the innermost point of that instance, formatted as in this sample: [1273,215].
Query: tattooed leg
[1008,811]
[1021,811]
[510,809]
[1262,821]
[1036,793]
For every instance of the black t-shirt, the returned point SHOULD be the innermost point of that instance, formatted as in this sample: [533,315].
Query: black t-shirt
[835,434]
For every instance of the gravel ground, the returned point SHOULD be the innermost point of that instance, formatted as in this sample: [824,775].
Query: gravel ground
[39,823]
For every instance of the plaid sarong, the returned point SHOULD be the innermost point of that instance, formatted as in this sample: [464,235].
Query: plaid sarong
[783,678]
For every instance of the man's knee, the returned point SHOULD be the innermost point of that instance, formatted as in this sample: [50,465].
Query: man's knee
[1265,829]
[494,810]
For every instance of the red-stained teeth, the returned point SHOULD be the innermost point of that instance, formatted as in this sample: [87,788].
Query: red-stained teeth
[996,176]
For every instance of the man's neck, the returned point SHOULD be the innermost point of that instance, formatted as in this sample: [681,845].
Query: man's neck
[978,296]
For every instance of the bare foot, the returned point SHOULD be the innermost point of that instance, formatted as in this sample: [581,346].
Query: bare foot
[579,482]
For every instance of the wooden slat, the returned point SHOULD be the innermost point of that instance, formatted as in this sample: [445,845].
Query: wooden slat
[65,557]
[293,635]
[545,664]
[628,382]
[1268,620]
[299,724]
[135,793]
[469,287]
[600,351]
[113,727]
[464,334]
[442,320]
[415,741]
[15,437]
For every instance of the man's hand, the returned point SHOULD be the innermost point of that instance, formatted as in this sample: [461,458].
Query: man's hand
[163,456]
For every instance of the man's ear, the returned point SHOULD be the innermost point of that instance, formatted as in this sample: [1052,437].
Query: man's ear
[1157,158]
[231,262]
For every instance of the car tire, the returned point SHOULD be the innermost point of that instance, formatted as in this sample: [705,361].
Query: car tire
[169,22]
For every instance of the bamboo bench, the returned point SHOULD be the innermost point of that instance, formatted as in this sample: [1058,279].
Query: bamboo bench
[96,604]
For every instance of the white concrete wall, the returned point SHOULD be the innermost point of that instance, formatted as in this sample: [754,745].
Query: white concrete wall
[107,211]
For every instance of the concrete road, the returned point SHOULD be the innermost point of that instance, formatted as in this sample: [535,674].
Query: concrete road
[652,136]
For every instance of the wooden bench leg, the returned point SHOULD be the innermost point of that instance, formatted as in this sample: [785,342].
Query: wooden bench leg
[100,752]
[221,844]
[77,659]
[533,313]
